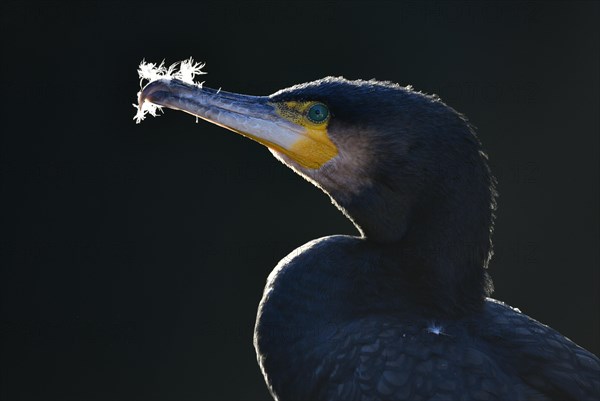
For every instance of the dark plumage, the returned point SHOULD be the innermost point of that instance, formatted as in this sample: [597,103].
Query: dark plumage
[327,330]
[401,312]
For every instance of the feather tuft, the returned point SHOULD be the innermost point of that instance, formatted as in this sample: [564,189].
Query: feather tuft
[185,71]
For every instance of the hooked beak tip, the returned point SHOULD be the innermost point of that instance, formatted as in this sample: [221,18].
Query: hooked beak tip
[154,91]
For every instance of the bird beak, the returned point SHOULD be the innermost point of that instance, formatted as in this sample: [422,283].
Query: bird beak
[251,116]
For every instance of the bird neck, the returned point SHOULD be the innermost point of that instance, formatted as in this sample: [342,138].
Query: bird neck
[443,253]
[438,234]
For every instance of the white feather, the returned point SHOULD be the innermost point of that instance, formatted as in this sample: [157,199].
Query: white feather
[185,71]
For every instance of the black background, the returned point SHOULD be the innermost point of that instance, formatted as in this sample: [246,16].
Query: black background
[133,257]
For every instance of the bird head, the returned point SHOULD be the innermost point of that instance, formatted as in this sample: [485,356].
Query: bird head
[392,159]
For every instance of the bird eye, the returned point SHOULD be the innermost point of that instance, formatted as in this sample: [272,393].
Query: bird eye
[318,113]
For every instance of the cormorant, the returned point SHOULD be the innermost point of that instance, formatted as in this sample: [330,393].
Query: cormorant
[400,312]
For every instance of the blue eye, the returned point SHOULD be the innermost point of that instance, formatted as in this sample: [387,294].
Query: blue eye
[318,113]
